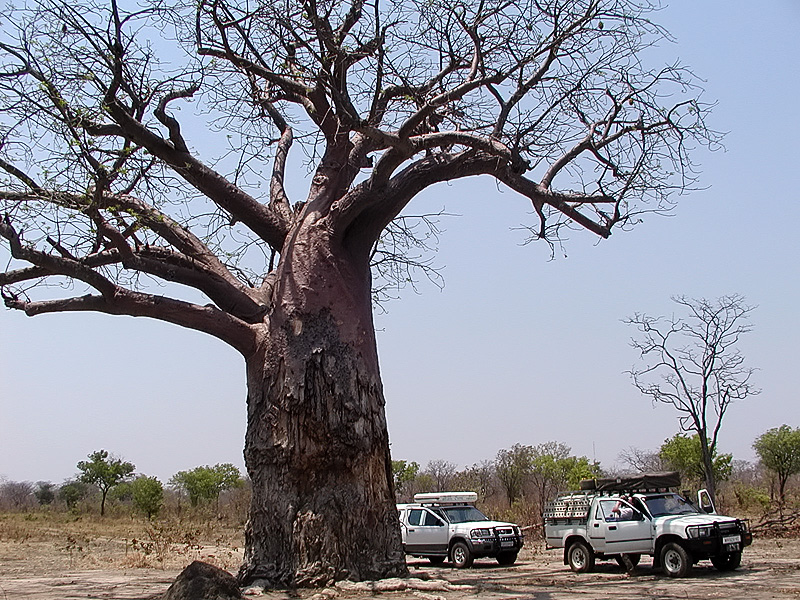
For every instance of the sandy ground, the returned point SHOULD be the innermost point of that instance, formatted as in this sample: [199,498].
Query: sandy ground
[114,569]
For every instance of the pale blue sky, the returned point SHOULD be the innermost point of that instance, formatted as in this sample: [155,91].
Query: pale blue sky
[516,348]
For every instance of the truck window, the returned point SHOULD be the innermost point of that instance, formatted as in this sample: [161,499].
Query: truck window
[669,504]
[415,516]
[432,520]
[617,510]
[463,514]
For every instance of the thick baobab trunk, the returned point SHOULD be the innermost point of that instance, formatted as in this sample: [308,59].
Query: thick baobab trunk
[317,447]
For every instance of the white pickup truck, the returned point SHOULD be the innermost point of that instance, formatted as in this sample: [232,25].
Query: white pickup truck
[622,519]
[445,525]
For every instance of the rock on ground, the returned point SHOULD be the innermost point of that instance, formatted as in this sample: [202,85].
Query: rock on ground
[202,581]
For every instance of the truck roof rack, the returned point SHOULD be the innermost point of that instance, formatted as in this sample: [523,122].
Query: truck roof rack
[446,498]
[643,482]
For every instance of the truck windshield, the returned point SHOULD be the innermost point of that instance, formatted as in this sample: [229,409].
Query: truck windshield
[462,514]
[669,504]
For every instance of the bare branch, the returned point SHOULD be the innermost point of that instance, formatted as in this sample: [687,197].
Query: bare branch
[207,319]
[170,122]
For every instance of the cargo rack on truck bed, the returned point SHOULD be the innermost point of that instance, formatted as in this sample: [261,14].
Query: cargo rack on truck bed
[575,505]
[571,505]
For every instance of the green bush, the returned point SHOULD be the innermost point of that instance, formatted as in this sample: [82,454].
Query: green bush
[751,498]
[147,494]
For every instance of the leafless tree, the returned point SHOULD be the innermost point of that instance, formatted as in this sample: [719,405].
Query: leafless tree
[17,495]
[442,472]
[480,478]
[641,461]
[133,148]
[693,364]
[513,468]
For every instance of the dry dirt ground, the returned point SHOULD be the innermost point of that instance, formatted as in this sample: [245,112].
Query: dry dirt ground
[46,563]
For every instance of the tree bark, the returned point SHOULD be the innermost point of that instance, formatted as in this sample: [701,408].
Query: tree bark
[708,466]
[317,447]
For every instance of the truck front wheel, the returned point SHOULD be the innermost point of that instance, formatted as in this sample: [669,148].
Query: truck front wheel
[461,556]
[727,562]
[675,560]
[580,557]
[506,559]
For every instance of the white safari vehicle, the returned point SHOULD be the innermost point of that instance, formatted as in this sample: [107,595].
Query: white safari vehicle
[446,525]
[621,519]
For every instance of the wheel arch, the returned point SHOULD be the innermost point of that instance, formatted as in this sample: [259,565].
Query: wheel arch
[454,540]
[666,539]
[571,540]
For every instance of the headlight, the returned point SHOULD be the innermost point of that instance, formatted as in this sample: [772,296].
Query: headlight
[699,531]
[481,533]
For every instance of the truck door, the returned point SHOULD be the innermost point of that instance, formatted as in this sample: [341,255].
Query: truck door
[705,502]
[426,533]
[627,530]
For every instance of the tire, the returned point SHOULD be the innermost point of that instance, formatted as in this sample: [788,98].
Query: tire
[506,559]
[461,556]
[435,560]
[675,561]
[727,562]
[634,558]
[580,557]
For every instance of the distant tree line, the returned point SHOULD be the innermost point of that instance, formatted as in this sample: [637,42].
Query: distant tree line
[515,484]
[105,477]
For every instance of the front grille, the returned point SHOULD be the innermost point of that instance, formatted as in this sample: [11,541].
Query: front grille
[728,528]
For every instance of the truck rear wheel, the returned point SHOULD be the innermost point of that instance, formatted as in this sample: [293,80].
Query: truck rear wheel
[675,561]
[727,562]
[461,556]
[580,557]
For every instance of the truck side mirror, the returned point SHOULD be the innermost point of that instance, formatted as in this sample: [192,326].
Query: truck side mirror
[705,502]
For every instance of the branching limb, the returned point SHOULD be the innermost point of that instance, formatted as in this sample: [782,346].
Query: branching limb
[55,265]
[22,176]
[195,265]
[170,122]
[269,225]
[207,319]
[115,299]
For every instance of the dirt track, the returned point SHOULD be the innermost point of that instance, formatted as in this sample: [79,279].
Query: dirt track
[770,569]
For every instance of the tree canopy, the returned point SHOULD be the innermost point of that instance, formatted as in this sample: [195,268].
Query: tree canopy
[147,494]
[105,472]
[205,484]
[543,470]
[683,453]
[108,181]
[779,451]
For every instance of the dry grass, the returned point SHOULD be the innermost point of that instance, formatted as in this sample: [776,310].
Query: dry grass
[60,541]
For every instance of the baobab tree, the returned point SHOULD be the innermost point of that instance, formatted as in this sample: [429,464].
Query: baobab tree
[135,140]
